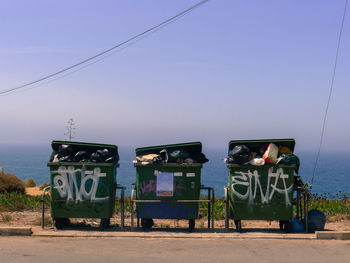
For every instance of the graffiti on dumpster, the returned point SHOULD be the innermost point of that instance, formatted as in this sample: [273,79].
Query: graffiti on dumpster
[66,183]
[251,181]
[148,188]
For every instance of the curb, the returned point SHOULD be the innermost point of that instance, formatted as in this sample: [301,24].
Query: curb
[160,235]
[15,231]
[340,235]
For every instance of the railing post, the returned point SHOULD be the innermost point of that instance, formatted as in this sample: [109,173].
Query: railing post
[132,208]
[227,207]
[213,210]
[298,203]
[122,200]
[306,210]
[209,197]
[43,207]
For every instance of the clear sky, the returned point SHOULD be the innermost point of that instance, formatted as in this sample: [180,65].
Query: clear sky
[231,69]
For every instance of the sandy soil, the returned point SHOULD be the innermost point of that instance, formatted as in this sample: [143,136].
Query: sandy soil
[34,191]
[33,218]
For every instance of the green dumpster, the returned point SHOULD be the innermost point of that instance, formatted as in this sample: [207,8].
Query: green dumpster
[260,192]
[169,190]
[82,186]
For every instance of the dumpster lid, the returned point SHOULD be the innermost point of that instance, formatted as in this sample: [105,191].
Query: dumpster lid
[192,148]
[85,146]
[255,145]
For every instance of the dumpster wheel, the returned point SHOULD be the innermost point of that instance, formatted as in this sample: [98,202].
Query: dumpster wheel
[61,222]
[191,225]
[105,222]
[238,224]
[285,226]
[146,223]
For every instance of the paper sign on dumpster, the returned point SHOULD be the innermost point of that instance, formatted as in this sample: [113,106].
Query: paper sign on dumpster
[165,184]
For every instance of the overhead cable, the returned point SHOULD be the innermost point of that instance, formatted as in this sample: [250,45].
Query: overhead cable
[140,35]
[330,94]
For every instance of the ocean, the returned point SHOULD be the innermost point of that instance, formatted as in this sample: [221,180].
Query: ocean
[332,173]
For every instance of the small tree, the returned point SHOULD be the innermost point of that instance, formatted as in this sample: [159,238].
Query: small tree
[30,183]
[70,129]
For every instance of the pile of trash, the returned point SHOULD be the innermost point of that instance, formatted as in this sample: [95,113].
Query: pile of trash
[76,153]
[267,154]
[171,156]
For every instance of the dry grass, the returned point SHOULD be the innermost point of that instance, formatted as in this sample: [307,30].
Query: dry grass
[11,183]
[338,217]
[47,222]
[30,183]
[6,218]
[34,191]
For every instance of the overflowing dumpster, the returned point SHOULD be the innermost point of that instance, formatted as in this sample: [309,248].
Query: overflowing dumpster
[261,181]
[168,184]
[83,182]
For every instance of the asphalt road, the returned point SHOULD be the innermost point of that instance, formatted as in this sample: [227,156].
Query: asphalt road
[105,250]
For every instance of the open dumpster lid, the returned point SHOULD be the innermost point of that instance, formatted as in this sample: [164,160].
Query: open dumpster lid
[85,146]
[255,145]
[193,148]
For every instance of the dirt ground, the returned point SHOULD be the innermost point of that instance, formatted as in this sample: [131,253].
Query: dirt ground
[34,191]
[33,218]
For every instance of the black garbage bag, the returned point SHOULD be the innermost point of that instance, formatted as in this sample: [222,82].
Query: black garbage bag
[81,155]
[200,158]
[52,156]
[65,159]
[164,155]
[109,155]
[112,159]
[157,159]
[65,150]
[104,154]
[177,156]
[95,158]
[289,159]
[316,220]
[240,154]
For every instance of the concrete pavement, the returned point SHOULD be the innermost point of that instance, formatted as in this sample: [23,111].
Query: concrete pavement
[154,250]
[171,233]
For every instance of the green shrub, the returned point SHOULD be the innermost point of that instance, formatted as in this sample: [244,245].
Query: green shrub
[11,183]
[19,202]
[30,183]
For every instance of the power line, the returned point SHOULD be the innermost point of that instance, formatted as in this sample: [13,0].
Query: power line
[121,48]
[330,93]
[154,28]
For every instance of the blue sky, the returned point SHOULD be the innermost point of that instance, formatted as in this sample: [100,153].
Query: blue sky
[228,70]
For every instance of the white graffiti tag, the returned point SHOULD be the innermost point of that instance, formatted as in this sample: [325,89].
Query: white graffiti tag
[65,181]
[252,182]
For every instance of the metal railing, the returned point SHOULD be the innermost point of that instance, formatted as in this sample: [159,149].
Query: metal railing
[43,207]
[210,201]
[122,204]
